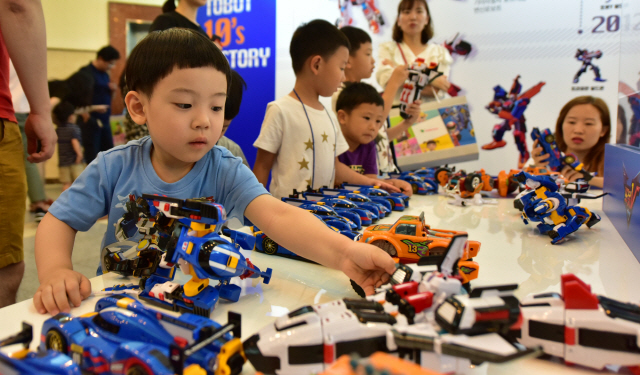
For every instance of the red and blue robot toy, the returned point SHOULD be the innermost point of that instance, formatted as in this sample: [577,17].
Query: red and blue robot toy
[545,204]
[511,107]
[185,234]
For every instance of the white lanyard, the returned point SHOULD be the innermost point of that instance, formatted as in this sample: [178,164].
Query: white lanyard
[313,141]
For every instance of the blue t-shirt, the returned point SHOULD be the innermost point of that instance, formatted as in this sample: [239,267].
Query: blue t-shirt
[106,183]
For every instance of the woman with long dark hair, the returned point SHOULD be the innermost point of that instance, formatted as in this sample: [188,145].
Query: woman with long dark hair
[411,34]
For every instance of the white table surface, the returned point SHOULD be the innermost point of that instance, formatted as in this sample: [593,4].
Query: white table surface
[511,252]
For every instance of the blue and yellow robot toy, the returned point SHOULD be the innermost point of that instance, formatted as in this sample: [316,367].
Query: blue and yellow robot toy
[544,204]
[185,234]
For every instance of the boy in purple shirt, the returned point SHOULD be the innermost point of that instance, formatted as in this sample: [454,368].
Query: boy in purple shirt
[360,110]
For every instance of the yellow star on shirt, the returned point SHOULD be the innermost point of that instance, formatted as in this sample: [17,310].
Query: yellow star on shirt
[334,147]
[308,182]
[325,137]
[304,164]
[309,144]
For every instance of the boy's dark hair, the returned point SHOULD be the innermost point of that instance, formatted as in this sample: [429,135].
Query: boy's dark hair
[427,32]
[356,93]
[357,37]
[234,96]
[108,53]
[160,52]
[317,37]
[61,113]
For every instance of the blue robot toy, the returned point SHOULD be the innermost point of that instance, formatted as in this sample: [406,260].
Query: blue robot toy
[184,234]
[545,204]
[557,159]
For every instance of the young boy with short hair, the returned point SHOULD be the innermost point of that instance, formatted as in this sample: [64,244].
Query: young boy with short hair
[361,65]
[70,156]
[360,110]
[300,140]
[181,97]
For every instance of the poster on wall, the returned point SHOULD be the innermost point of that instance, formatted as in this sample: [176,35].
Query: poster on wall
[247,29]
[519,61]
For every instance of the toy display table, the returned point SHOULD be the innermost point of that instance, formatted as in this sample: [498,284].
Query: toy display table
[511,252]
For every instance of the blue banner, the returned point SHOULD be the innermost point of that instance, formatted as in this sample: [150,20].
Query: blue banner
[248,32]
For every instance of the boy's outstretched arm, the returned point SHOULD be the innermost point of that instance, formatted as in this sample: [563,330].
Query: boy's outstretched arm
[262,166]
[346,174]
[59,283]
[304,234]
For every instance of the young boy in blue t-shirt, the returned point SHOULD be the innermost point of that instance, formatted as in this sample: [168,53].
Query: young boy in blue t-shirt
[181,97]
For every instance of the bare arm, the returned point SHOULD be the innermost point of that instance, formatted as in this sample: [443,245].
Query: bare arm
[307,236]
[58,282]
[262,166]
[22,24]
[76,147]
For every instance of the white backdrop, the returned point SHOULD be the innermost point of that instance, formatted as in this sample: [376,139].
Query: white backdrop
[536,39]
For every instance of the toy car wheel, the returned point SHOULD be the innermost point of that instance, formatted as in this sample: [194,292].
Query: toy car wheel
[270,246]
[472,181]
[386,246]
[391,202]
[442,176]
[569,159]
[549,138]
[137,370]
[56,341]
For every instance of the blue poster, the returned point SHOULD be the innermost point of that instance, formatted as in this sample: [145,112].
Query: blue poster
[248,32]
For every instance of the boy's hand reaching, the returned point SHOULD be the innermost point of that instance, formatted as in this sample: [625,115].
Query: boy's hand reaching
[367,265]
[59,288]
[383,185]
[404,186]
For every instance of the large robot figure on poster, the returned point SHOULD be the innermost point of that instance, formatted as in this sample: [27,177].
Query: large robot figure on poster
[510,107]
[185,234]
[371,13]
[546,205]
[587,57]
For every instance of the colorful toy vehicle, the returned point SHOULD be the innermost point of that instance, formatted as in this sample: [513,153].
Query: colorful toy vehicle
[124,337]
[349,221]
[410,240]
[379,209]
[24,361]
[397,201]
[340,204]
[265,244]
[311,338]
[419,184]
[557,159]
[186,232]
[544,204]
[581,327]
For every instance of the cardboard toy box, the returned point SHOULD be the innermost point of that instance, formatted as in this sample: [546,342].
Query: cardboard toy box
[622,182]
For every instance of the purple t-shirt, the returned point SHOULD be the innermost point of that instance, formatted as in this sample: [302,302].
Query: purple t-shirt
[362,160]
